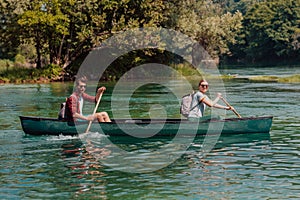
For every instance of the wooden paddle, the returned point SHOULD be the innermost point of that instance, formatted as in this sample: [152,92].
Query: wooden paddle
[90,122]
[235,112]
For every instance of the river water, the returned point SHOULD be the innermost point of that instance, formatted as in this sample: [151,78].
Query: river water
[251,166]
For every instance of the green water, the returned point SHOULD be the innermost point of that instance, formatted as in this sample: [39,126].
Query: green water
[253,166]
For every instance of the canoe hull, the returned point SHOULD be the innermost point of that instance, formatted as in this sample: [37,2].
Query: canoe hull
[146,127]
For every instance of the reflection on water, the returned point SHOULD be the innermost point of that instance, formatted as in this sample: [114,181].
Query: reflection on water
[244,166]
[95,178]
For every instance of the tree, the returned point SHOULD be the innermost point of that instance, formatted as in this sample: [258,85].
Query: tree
[67,29]
[205,22]
[9,28]
[43,21]
[240,5]
[272,30]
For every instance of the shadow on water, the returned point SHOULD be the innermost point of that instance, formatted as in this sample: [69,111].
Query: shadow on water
[132,143]
[76,148]
[66,164]
[242,139]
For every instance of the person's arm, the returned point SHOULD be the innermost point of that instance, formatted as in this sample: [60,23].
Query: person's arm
[214,104]
[79,116]
[72,106]
[222,107]
[88,98]
[99,91]
[93,98]
[216,99]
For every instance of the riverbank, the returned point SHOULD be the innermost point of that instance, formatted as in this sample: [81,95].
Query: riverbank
[53,73]
[49,73]
[275,79]
[271,78]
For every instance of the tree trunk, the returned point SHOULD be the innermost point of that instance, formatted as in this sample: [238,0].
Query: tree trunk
[38,52]
[60,50]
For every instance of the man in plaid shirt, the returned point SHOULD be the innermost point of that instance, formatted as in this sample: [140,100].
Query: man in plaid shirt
[75,102]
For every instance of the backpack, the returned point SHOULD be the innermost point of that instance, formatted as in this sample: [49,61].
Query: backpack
[62,112]
[185,106]
[186,101]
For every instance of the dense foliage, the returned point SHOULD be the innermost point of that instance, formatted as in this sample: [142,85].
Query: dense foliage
[62,32]
[272,30]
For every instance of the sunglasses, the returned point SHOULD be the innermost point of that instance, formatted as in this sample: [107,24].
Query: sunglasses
[82,86]
[204,86]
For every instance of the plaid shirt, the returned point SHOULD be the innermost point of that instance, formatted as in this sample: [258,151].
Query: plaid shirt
[72,104]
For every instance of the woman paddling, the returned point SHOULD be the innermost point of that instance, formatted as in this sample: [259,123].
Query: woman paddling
[200,101]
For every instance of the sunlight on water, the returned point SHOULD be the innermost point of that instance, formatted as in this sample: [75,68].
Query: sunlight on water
[251,166]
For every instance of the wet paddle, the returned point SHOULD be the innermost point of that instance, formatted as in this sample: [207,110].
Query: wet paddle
[90,122]
[235,112]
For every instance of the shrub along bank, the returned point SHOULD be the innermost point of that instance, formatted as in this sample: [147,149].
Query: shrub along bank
[13,74]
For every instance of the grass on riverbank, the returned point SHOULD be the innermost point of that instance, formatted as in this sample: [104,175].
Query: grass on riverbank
[12,74]
[289,79]
[31,75]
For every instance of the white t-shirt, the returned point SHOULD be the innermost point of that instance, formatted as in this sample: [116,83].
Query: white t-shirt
[80,104]
[197,110]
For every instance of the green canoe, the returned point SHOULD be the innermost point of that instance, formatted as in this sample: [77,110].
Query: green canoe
[148,127]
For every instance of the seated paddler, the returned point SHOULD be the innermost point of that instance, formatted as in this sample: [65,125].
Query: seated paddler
[200,101]
[74,103]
